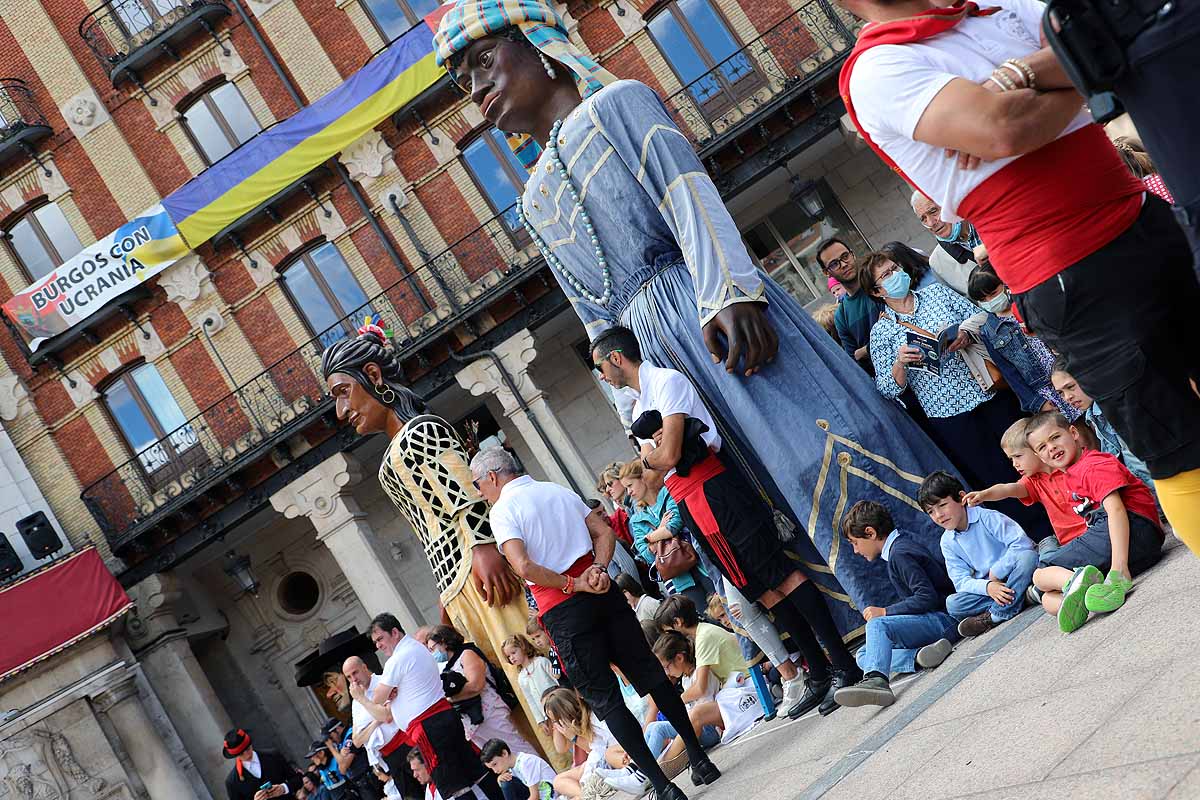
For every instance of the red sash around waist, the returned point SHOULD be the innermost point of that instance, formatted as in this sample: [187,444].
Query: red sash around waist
[548,597]
[414,735]
[680,487]
[1053,207]
[689,493]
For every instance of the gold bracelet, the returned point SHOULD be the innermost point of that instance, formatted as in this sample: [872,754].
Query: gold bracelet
[1026,70]
[1001,78]
[1022,78]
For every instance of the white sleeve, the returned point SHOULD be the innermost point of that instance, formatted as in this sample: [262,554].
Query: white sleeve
[393,672]
[504,524]
[891,86]
[675,394]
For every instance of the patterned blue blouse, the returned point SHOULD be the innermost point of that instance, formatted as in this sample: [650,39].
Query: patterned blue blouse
[953,392]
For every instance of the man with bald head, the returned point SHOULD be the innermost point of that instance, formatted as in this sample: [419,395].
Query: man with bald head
[954,256]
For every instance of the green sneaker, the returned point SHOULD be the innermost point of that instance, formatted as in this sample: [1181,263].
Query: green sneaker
[1073,612]
[1110,595]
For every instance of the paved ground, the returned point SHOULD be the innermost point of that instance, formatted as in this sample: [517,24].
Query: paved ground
[1022,712]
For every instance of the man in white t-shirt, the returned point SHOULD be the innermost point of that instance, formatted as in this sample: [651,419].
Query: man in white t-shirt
[1060,214]
[726,516]
[562,551]
[409,695]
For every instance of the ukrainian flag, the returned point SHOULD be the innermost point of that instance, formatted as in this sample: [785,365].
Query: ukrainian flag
[284,153]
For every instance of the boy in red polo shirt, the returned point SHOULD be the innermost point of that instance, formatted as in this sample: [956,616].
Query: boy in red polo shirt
[1037,484]
[1123,534]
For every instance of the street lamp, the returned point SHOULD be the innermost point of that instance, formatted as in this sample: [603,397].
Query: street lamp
[238,568]
[807,195]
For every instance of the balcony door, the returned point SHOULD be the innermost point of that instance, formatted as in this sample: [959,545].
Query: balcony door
[498,173]
[152,424]
[325,293]
[704,54]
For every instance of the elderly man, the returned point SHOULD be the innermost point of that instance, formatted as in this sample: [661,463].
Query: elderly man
[958,244]
[409,695]
[551,539]
[1062,215]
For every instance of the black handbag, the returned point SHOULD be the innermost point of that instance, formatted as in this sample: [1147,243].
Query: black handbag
[694,449]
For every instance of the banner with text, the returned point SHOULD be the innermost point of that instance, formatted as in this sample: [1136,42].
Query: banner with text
[100,273]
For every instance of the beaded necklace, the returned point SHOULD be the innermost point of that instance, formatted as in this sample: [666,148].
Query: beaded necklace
[553,260]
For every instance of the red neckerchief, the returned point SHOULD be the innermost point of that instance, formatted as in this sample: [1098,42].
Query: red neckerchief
[902,31]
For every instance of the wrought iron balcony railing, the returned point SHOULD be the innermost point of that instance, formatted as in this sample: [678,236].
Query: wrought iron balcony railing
[22,123]
[788,58]
[127,35]
[210,449]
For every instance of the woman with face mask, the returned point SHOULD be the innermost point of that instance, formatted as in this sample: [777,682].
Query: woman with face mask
[964,419]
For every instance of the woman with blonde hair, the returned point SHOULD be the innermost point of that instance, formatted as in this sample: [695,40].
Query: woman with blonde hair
[656,518]
[606,761]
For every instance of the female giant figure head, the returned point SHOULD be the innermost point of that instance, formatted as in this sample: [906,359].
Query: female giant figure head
[515,61]
[366,382]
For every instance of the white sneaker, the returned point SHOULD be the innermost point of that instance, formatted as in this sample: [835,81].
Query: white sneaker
[793,690]
[628,780]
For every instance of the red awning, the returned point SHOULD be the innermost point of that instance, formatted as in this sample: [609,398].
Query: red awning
[50,610]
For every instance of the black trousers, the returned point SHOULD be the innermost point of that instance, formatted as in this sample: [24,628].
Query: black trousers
[1125,318]
[1162,103]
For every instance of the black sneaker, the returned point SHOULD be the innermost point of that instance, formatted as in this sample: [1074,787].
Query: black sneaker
[704,773]
[814,693]
[672,792]
[873,690]
[841,680]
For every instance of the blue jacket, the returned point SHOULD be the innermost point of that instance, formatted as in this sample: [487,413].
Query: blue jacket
[1014,355]
[919,577]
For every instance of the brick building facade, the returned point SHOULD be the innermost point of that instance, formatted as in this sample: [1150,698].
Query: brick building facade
[181,424]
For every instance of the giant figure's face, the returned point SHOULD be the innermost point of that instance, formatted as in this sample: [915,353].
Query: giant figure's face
[337,690]
[356,405]
[506,80]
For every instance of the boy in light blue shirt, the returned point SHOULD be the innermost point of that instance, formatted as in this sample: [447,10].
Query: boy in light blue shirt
[988,557]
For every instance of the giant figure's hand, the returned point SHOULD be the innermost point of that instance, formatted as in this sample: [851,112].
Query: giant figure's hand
[493,577]
[748,333]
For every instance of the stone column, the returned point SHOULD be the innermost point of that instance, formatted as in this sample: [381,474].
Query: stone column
[159,773]
[325,496]
[516,354]
[160,644]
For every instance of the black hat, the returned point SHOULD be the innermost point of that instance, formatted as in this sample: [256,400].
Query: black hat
[329,725]
[236,742]
[317,747]
[332,652]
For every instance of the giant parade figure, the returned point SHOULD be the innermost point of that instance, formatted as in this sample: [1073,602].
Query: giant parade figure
[637,235]
[425,474]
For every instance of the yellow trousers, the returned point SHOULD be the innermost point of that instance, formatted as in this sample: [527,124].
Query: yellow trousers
[488,627]
[1179,496]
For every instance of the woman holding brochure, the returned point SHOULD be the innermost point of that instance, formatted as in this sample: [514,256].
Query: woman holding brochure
[916,344]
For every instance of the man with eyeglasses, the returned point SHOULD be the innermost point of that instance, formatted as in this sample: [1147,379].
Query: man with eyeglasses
[857,311]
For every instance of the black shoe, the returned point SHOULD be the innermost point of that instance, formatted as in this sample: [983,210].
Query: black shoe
[672,792]
[841,680]
[704,773]
[814,693]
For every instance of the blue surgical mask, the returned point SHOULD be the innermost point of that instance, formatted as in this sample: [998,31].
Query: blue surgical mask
[954,233]
[896,285]
[440,657]
[998,304]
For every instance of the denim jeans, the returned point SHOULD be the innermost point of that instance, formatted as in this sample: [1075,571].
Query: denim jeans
[892,642]
[661,733]
[1016,570]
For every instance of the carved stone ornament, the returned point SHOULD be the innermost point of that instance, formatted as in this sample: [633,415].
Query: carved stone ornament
[186,281]
[40,765]
[369,158]
[153,347]
[211,321]
[84,113]
[232,66]
[14,400]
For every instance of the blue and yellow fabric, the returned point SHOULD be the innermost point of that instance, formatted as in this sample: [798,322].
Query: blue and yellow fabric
[282,154]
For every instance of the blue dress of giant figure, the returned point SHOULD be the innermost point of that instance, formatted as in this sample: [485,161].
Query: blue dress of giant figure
[810,426]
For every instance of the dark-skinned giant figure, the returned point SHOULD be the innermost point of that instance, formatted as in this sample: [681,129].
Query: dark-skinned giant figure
[637,235]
